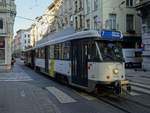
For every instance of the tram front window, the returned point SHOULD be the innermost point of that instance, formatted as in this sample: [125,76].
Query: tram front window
[110,50]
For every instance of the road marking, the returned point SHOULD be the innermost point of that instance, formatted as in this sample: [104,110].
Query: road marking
[13,80]
[134,93]
[60,95]
[15,77]
[139,84]
[86,96]
[141,89]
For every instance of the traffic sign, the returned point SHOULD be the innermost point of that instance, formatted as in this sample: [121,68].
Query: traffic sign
[111,34]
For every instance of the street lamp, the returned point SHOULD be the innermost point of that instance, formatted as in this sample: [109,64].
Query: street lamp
[121,4]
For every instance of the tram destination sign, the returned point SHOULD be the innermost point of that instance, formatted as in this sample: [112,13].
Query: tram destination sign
[111,34]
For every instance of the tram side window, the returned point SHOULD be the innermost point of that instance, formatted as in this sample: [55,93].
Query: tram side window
[56,51]
[42,53]
[93,53]
[66,51]
[37,53]
[60,52]
[28,54]
[52,52]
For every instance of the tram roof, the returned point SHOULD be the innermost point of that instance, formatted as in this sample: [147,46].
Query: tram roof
[74,36]
[29,49]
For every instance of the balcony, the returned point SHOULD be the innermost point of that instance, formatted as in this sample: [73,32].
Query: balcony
[6,8]
[142,3]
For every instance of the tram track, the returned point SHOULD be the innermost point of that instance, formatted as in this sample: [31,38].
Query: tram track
[113,105]
[136,102]
[106,100]
[124,104]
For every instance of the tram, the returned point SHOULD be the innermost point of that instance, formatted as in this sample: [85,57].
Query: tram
[90,60]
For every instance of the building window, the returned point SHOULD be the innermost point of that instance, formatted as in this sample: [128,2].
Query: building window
[146,24]
[76,23]
[88,23]
[65,20]
[129,23]
[112,20]
[1,23]
[80,21]
[147,19]
[95,5]
[95,22]
[76,6]
[25,35]
[129,3]
[88,6]
[80,4]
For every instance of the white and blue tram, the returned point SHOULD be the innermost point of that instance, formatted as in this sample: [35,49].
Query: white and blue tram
[89,59]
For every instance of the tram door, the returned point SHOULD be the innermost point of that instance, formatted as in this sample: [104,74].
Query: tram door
[79,63]
[46,59]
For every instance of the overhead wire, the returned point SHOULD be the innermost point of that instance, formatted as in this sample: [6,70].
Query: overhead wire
[25,18]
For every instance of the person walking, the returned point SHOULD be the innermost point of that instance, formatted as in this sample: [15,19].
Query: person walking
[12,63]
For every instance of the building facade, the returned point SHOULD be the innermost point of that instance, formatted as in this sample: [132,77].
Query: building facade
[65,15]
[7,16]
[119,15]
[22,41]
[17,45]
[47,23]
[79,14]
[143,10]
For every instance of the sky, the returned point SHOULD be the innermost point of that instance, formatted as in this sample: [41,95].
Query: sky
[29,9]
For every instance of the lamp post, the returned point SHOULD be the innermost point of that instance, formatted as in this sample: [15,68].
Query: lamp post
[121,4]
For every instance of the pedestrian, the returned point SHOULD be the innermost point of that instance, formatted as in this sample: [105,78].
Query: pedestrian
[12,63]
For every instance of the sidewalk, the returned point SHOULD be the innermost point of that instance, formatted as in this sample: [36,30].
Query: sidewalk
[139,78]
[138,73]
[18,96]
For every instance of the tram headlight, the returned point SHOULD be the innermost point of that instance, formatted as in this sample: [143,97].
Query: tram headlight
[115,71]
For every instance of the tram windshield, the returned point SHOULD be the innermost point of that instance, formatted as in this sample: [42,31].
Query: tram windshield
[110,50]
